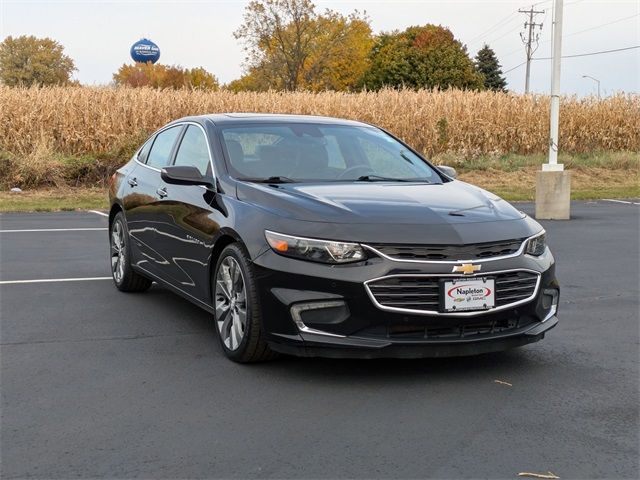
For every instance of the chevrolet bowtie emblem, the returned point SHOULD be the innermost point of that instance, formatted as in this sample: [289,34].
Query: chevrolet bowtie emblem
[467,268]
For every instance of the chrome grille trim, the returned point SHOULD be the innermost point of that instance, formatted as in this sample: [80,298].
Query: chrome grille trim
[437,276]
[450,262]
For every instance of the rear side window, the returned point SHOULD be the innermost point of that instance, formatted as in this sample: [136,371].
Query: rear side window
[193,150]
[144,151]
[160,154]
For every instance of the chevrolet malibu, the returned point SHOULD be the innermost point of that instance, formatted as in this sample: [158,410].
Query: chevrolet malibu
[318,236]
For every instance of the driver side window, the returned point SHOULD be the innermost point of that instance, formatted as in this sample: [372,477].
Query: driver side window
[193,150]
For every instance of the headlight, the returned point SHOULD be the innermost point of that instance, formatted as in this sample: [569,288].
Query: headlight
[536,245]
[324,251]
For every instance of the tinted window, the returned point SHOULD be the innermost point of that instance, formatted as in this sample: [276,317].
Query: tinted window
[161,150]
[193,150]
[144,151]
[325,153]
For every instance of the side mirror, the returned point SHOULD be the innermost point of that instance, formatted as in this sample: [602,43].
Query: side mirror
[185,175]
[448,171]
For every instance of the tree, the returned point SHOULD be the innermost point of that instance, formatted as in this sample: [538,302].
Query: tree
[487,64]
[289,46]
[163,76]
[28,60]
[339,57]
[421,57]
[201,79]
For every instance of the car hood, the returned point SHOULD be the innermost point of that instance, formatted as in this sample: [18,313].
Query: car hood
[452,212]
[404,203]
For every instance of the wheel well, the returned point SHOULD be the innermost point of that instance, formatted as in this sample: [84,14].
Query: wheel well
[113,212]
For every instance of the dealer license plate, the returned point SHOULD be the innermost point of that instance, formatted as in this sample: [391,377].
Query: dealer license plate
[464,294]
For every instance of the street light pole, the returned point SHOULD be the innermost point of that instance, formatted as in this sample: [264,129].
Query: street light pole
[595,80]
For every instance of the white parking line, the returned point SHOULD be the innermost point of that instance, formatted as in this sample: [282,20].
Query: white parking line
[620,201]
[52,280]
[99,213]
[54,230]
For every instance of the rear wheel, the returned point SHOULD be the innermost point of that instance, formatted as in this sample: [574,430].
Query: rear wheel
[125,278]
[237,310]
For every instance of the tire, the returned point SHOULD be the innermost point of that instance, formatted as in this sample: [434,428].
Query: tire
[235,299]
[124,277]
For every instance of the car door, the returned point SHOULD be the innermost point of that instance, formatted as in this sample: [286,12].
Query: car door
[192,217]
[143,199]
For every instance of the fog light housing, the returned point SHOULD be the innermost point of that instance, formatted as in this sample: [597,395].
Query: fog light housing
[550,299]
[311,316]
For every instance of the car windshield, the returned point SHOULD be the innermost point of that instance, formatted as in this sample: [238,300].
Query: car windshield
[302,152]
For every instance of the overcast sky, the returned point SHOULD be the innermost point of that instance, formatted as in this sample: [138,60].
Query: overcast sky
[98,35]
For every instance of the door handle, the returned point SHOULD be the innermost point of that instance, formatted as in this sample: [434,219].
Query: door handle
[132,181]
[162,192]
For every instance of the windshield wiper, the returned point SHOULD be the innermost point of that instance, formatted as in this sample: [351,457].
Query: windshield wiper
[275,179]
[380,178]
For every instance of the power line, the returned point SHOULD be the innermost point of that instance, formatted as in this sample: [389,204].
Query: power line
[577,55]
[508,54]
[513,68]
[503,21]
[602,25]
[592,53]
[548,1]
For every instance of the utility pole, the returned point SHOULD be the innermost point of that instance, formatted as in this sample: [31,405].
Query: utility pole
[531,37]
[555,88]
[553,182]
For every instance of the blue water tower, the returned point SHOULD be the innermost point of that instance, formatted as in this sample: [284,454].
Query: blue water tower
[144,51]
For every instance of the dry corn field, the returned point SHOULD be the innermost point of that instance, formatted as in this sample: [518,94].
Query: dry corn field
[91,121]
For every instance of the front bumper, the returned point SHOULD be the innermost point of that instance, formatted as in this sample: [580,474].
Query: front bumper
[361,329]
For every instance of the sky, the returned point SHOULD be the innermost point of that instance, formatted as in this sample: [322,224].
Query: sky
[99,34]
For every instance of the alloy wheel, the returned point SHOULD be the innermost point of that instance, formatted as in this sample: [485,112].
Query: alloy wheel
[118,251]
[230,303]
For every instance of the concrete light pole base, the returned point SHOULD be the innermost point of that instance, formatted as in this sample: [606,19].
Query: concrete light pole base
[553,195]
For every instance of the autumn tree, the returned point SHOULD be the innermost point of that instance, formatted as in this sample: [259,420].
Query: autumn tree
[290,46]
[487,64]
[164,76]
[421,57]
[28,60]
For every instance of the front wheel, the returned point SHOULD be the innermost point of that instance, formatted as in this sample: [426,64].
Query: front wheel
[237,310]
[124,277]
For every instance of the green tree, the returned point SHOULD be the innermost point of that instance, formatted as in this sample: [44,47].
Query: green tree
[200,79]
[28,60]
[487,64]
[421,57]
[290,46]
[164,76]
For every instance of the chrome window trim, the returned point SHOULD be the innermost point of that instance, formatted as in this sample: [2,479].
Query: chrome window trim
[520,251]
[452,275]
[213,171]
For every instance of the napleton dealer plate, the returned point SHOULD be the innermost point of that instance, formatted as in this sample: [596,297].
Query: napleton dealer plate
[463,294]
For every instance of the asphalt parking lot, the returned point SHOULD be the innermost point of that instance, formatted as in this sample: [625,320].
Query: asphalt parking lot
[97,383]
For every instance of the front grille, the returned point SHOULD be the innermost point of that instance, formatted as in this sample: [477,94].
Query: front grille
[423,293]
[449,252]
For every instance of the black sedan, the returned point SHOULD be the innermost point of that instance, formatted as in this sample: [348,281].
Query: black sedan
[325,237]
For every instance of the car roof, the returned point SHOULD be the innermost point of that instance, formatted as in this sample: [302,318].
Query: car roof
[252,118]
